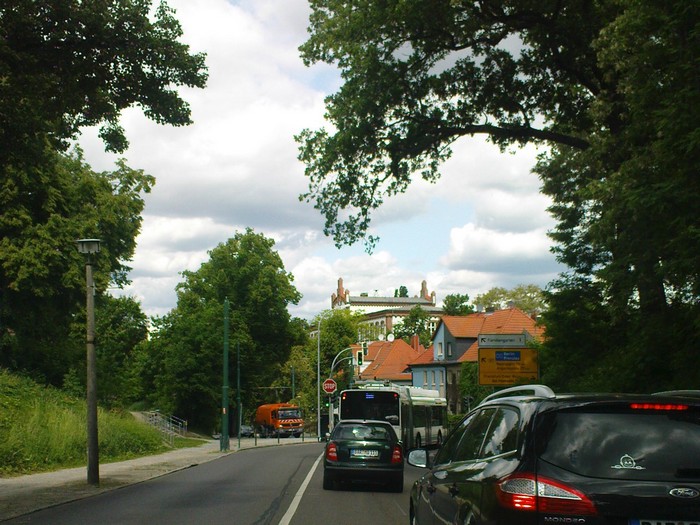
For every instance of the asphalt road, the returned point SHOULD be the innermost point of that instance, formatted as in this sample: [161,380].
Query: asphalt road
[262,486]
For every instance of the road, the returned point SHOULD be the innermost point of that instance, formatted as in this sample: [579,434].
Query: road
[262,486]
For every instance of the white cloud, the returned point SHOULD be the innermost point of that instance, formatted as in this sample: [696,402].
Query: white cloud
[482,225]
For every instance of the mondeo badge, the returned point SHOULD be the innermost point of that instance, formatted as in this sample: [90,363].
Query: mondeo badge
[684,492]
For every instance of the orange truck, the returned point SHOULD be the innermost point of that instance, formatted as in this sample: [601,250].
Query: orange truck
[279,419]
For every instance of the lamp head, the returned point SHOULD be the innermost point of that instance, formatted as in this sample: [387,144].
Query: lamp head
[88,245]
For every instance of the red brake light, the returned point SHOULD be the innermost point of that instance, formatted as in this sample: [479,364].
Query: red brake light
[528,492]
[332,452]
[397,454]
[658,406]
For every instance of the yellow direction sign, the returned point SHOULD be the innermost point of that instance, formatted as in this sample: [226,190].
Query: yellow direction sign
[507,366]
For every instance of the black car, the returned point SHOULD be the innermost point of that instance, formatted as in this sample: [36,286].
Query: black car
[359,450]
[526,456]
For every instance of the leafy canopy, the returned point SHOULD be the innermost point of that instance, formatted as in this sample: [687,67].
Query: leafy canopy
[70,64]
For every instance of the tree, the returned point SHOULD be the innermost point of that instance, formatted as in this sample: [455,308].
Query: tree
[67,65]
[42,276]
[402,291]
[417,322]
[609,86]
[188,342]
[457,304]
[528,297]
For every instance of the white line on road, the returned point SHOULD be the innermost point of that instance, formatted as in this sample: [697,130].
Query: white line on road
[287,518]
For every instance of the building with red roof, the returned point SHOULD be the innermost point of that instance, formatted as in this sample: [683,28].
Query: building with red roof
[456,341]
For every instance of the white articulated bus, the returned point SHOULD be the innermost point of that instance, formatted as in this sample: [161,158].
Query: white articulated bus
[418,415]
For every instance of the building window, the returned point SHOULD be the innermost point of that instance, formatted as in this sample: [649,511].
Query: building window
[425,377]
[442,378]
[449,349]
[433,378]
[439,350]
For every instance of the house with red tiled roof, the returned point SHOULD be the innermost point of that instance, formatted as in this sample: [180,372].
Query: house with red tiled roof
[389,361]
[456,341]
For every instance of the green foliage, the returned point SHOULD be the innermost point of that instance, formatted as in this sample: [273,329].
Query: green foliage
[469,385]
[122,326]
[528,297]
[402,291]
[610,86]
[45,209]
[67,65]
[417,322]
[42,428]
[180,367]
[457,304]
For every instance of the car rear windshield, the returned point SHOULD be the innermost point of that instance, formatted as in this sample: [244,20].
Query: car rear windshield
[365,432]
[635,444]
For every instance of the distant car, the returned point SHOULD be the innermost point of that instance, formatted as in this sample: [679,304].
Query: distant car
[359,450]
[528,456]
[247,431]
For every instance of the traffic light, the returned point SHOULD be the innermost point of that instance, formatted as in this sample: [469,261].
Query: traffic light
[360,355]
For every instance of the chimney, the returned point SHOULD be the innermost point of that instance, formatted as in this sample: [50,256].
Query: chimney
[415,342]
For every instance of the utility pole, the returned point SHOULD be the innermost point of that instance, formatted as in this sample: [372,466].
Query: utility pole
[224,441]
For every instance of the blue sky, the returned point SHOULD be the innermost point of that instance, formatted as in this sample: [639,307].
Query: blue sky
[482,225]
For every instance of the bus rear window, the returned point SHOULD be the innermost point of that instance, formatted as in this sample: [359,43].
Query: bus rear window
[629,444]
[357,404]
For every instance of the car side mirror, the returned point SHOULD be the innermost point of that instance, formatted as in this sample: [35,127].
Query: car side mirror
[418,458]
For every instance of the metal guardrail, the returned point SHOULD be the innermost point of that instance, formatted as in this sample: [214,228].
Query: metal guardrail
[170,426]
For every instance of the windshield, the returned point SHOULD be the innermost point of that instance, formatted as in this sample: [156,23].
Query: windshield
[289,413]
[625,444]
[364,432]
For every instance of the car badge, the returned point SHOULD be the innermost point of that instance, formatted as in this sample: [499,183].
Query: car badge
[684,492]
[628,462]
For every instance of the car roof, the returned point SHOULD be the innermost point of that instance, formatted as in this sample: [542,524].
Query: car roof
[534,393]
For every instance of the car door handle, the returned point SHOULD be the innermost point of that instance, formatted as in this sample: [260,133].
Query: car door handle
[453,490]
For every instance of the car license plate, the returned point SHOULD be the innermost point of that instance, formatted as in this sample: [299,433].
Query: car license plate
[663,522]
[354,453]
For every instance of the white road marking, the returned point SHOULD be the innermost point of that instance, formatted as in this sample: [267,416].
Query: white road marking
[287,518]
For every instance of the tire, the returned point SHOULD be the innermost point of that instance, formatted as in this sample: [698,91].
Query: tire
[328,483]
[396,484]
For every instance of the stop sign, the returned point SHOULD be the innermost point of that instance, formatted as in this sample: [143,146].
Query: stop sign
[329,386]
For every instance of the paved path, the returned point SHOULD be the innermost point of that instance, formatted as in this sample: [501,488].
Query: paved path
[24,494]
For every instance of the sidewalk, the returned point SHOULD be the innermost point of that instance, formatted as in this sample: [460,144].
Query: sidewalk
[24,494]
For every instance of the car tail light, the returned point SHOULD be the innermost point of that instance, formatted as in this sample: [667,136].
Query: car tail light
[659,406]
[528,492]
[397,454]
[332,452]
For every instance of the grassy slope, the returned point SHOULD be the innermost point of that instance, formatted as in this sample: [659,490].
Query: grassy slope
[42,429]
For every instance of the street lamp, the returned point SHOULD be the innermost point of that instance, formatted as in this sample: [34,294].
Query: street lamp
[89,247]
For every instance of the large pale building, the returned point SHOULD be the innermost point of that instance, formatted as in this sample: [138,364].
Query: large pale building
[380,314]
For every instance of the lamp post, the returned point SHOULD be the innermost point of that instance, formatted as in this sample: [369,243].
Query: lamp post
[89,247]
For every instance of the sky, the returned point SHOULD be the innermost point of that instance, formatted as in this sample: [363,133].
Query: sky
[482,225]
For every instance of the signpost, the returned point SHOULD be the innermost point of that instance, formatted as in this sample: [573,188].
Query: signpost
[505,360]
[507,366]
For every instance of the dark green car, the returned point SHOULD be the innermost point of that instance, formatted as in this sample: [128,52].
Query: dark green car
[367,451]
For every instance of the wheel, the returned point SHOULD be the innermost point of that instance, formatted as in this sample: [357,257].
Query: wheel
[396,483]
[328,483]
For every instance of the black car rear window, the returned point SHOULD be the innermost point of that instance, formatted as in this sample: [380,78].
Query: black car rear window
[365,432]
[624,444]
